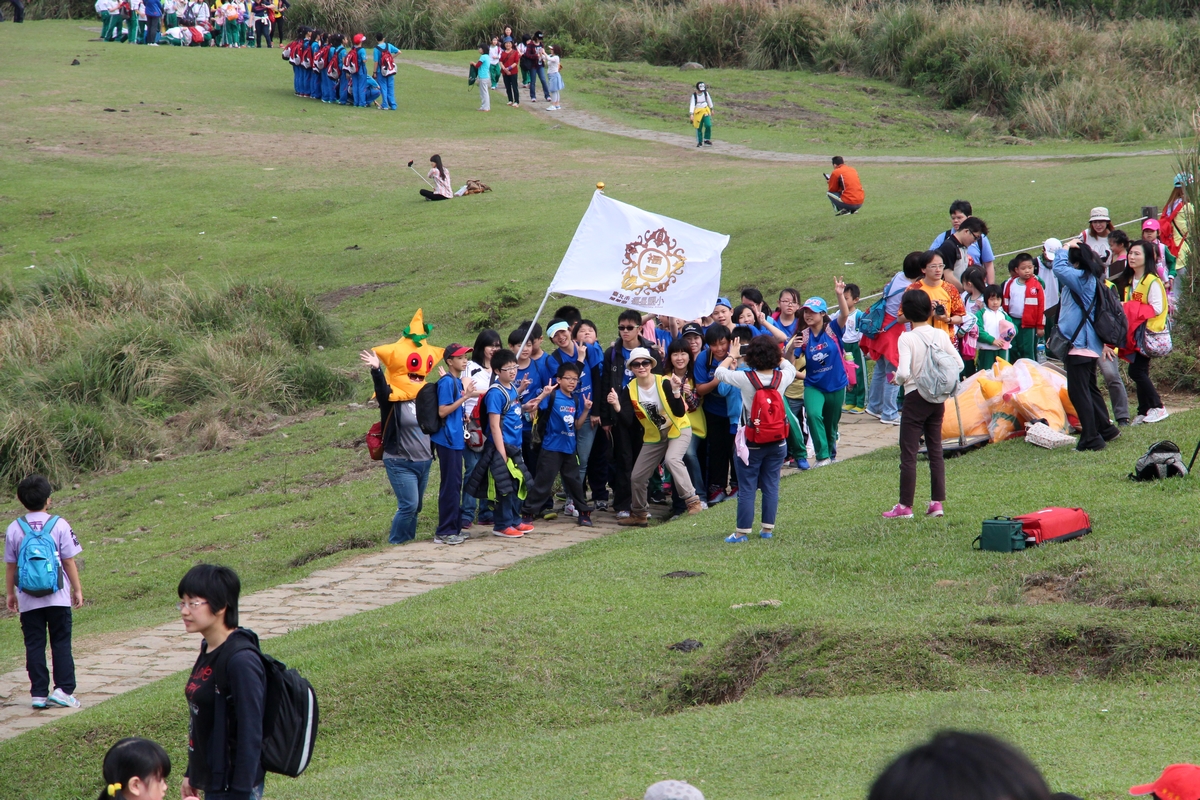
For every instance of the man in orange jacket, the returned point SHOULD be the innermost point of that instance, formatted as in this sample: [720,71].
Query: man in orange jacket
[845,189]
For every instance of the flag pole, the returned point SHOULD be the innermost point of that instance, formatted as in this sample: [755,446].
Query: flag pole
[529,330]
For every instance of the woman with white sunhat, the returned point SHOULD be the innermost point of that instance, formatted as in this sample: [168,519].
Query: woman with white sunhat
[1095,236]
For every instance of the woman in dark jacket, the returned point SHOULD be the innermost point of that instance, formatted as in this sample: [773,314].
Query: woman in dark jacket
[226,692]
[407,455]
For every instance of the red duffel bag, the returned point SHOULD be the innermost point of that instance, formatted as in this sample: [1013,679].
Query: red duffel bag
[1054,525]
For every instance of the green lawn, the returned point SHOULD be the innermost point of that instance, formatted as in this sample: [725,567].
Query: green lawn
[552,678]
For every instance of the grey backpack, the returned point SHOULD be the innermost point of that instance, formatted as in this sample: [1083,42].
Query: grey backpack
[937,381]
[1162,460]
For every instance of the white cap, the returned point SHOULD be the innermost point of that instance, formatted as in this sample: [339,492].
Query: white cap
[641,354]
[673,790]
[1051,246]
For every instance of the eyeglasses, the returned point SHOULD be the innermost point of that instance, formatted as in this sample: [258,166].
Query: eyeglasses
[193,604]
[627,328]
[509,368]
[639,364]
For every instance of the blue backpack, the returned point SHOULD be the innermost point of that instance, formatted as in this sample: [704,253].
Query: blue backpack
[39,572]
[871,323]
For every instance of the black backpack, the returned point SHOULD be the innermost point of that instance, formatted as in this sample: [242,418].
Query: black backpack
[1162,460]
[428,417]
[290,713]
[1110,322]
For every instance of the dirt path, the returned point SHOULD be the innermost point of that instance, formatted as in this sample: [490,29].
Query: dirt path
[593,122]
[119,662]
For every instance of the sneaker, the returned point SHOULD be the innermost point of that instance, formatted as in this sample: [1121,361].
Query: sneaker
[899,512]
[465,535]
[847,408]
[600,505]
[1157,414]
[736,538]
[60,698]
[895,421]
[659,500]
[39,702]
[708,142]
[824,462]
[569,509]
[561,496]
[525,527]
[622,515]
[935,510]
[549,515]
[803,465]
[857,410]
[766,534]
[732,491]
[699,145]
[450,538]
[585,520]
[1138,420]
[508,533]
[716,496]
[871,413]
[1122,423]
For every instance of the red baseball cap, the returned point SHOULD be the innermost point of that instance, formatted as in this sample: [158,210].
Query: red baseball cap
[359,38]
[1177,782]
[455,350]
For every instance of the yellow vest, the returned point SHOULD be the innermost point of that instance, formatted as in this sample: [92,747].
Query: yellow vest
[1141,290]
[653,435]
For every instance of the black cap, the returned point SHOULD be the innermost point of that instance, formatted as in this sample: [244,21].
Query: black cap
[692,327]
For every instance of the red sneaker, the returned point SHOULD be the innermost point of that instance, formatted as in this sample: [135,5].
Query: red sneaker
[525,527]
[508,533]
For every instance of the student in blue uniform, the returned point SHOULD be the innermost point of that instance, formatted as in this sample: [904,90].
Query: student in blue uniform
[562,410]
[373,92]
[450,444]
[358,85]
[387,83]
[590,358]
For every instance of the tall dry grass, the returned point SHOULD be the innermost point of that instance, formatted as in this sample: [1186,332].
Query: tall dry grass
[92,366]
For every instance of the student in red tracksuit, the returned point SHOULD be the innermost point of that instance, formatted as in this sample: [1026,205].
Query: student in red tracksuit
[1025,302]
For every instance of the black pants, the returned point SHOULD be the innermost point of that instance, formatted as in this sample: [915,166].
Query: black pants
[627,443]
[450,472]
[550,465]
[428,195]
[18,11]
[838,205]
[513,89]
[919,417]
[1139,373]
[34,624]
[262,28]
[1089,404]
[720,450]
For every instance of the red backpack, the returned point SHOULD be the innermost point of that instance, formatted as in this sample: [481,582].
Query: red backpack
[297,54]
[351,65]
[767,423]
[320,58]
[334,69]
[306,54]
[387,64]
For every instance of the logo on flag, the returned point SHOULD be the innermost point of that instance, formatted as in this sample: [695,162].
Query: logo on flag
[628,257]
[653,262]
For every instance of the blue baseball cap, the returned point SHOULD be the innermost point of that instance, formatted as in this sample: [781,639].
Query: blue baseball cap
[724,301]
[816,305]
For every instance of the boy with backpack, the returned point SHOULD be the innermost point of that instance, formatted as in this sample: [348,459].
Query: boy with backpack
[928,370]
[562,409]
[500,474]
[450,443]
[41,583]
[355,66]
[385,71]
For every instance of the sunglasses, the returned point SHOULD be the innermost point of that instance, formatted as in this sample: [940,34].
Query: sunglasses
[627,328]
[639,364]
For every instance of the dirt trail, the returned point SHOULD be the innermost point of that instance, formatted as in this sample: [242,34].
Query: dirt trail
[593,122]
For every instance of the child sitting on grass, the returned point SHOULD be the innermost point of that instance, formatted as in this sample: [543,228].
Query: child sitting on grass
[39,538]
[1025,302]
[996,328]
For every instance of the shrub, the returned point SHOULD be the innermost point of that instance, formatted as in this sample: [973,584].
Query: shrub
[479,23]
[308,383]
[891,35]
[27,445]
[411,24]
[213,370]
[787,38]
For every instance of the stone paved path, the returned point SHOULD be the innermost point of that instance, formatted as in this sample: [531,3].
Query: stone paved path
[357,585]
[577,118]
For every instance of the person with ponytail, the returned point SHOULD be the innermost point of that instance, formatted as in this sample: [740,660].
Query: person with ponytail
[441,180]
[136,768]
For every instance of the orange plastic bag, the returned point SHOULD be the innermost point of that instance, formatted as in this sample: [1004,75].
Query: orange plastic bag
[972,407]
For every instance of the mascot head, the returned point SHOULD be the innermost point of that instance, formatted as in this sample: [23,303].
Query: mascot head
[409,360]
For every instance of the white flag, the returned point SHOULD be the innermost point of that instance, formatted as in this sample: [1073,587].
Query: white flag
[624,256]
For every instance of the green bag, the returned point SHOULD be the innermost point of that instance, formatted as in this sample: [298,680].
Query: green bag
[1001,535]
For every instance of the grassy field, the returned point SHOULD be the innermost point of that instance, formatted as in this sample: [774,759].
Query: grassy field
[551,678]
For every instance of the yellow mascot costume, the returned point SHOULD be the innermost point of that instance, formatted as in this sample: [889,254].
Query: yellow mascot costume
[409,360]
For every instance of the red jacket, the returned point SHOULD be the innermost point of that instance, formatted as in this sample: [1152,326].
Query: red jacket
[1033,315]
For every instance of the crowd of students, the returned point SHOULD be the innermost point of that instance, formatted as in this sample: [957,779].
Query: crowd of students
[530,57]
[187,23]
[332,68]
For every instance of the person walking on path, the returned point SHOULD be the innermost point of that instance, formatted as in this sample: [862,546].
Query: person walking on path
[510,59]
[482,71]
[554,77]
[700,114]
[845,190]
[451,444]
[825,378]
[920,418]
[38,537]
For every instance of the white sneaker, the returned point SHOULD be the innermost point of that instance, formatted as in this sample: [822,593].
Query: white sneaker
[1138,420]
[39,702]
[1157,414]
[60,698]
[824,462]
[622,514]
[570,510]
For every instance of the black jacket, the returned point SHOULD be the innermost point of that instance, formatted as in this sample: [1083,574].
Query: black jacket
[476,484]
[226,725]
[612,375]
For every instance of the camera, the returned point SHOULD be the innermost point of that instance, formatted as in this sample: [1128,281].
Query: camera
[939,309]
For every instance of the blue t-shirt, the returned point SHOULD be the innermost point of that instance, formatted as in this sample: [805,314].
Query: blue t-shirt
[789,330]
[664,339]
[379,50]
[563,410]
[628,376]
[510,421]
[449,389]
[536,382]
[593,359]
[703,371]
[824,367]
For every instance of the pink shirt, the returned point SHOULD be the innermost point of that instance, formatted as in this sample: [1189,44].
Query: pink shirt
[68,547]
[441,183]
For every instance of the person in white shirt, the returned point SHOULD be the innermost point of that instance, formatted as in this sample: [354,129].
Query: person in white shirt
[919,417]
[700,114]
